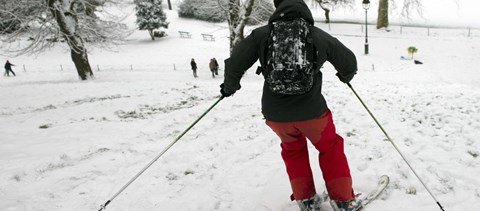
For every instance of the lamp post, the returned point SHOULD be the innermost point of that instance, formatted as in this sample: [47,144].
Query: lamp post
[366,6]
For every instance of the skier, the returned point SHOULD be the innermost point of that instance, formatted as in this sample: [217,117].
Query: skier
[8,68]
[294,118]
[194,67]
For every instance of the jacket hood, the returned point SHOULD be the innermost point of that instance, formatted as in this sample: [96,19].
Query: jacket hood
[291,9]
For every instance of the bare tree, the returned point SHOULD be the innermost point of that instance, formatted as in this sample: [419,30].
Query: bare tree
[240,12]
[66,16]
[410,6]
[327,5]
[74,22]
[237,19]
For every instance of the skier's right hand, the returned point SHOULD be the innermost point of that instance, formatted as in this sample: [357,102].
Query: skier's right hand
[345,79]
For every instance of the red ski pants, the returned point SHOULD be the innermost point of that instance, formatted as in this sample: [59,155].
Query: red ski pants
[333,163]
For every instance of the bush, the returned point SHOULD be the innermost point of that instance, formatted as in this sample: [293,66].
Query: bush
[412,50]
[159,34]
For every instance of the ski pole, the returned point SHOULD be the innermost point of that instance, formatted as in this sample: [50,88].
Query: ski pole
[158,156]
[395,146]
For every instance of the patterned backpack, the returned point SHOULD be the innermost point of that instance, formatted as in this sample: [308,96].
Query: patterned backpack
[289,57]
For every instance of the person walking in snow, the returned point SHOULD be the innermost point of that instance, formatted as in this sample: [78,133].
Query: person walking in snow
[213,67]
[8,68]
[194,67]
[304,115]
[215,63]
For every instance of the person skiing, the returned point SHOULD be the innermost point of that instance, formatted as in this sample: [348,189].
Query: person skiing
[194,67]
[296,117]
[8,68]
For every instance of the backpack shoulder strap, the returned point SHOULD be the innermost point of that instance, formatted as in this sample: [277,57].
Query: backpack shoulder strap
[268,41]
[314,49]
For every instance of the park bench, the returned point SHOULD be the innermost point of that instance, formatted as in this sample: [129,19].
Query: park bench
[185,34]
[208,37]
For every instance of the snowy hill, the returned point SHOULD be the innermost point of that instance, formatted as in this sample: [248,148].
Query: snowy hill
[71,145]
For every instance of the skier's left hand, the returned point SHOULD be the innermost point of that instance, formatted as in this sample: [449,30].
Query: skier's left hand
[224,92]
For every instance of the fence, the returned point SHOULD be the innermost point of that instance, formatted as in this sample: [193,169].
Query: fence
[358,29]
[103,67]
[434,31]
[336,29]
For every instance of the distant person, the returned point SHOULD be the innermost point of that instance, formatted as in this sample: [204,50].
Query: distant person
[216,65]
[292,101]
[213,67]
[194,67]
[8,69]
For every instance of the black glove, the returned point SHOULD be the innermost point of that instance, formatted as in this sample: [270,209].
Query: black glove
[225,93]
[345,79]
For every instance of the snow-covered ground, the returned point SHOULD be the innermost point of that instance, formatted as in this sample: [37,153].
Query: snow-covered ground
[68,144]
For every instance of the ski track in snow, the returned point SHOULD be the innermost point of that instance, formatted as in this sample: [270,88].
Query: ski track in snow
[231,148]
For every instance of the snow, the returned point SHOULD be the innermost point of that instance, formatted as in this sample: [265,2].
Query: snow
[68,144]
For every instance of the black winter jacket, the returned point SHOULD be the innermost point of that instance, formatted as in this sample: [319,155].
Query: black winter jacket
[194,65]
[288,108]
[8,65]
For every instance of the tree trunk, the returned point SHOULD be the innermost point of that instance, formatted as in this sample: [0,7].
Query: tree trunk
[324,5]
[80,59]
[236,22]
[68,24]
[327,12]
[233,16]
[382,19]
[169,5]
[327,15]
[152,35]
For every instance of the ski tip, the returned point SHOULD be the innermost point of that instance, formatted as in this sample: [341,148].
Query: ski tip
[384,179]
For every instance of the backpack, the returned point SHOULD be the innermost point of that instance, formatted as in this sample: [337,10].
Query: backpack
[289,57]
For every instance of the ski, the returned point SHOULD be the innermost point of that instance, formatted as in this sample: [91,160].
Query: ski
[382,184]
[364,201]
